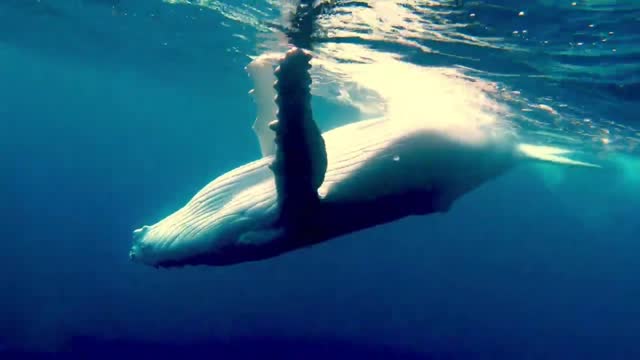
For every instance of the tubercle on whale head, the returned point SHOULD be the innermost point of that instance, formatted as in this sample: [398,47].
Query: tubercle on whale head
[138,233]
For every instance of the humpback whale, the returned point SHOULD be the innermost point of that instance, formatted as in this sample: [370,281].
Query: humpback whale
[309,187]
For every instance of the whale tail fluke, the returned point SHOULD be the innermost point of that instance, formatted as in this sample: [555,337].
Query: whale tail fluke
[550,154]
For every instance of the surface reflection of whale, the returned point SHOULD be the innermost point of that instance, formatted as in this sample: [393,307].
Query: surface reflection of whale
[377,171]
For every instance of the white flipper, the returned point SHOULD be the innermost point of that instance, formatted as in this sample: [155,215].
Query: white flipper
[260,71]
[550,154]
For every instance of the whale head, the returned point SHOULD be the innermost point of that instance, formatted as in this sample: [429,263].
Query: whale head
[215,224]
[178,238]
[136,253]
[161,243]
[237,238]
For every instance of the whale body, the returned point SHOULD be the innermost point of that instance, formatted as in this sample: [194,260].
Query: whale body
[310,187]
[378,171]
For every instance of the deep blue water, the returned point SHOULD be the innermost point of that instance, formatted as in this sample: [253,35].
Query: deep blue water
[114,113]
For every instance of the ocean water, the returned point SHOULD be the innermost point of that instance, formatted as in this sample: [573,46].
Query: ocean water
[113,113]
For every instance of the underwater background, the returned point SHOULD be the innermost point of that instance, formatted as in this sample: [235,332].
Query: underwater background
[113,113]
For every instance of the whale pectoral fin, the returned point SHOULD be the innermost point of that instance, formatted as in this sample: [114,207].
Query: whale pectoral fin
[260,71]
[300,158]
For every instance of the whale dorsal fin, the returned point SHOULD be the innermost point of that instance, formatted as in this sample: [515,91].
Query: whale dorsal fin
[260,71]
[300,157]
